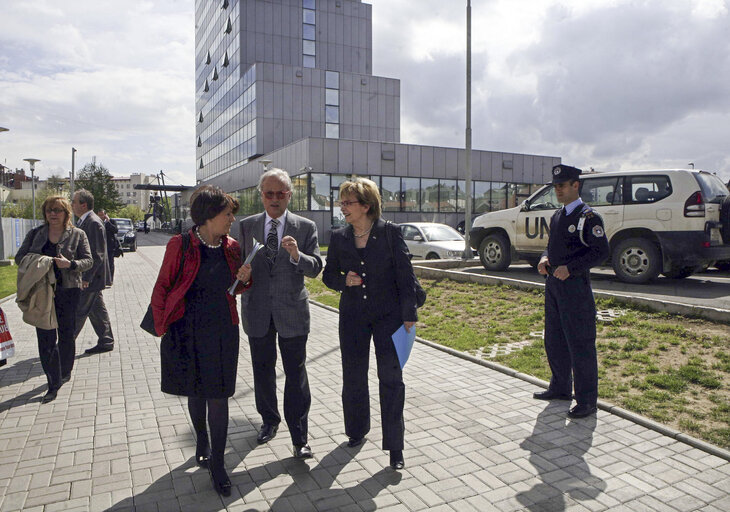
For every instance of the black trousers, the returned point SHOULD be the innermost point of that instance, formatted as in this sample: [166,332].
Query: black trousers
[297,398]
[91,305]
[570,337]
[57,347]
[355,333]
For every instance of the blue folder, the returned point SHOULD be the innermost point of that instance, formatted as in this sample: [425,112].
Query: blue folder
[403,341]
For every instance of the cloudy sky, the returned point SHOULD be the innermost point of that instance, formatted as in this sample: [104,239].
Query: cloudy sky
[608,84]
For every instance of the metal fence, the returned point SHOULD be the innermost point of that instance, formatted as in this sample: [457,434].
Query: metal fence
[13,234]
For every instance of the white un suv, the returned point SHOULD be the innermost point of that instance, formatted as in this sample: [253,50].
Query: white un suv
[669,221]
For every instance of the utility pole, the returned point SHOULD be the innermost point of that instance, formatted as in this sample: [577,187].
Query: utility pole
[468,207]
[73,161]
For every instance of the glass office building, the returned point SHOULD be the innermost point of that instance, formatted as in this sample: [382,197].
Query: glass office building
[290,82]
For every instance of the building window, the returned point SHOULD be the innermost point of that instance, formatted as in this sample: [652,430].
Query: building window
[308,61]
[331,79]
[332,114]
[390,193]
[429,195]
[447,195]
[308,47]
[332,97]
[410,188]
[319,185]
[308,32]
[332,131]
[308,4]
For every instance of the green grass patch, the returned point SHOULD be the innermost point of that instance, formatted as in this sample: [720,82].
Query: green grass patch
[8,280]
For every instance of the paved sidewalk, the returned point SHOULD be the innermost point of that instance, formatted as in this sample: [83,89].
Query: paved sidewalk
[475,440]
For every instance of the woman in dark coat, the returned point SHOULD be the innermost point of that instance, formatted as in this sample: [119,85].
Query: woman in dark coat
[368,262]
[69,248]
[199,353]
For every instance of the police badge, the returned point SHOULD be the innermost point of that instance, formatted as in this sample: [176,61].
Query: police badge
[597,231]
[571,229]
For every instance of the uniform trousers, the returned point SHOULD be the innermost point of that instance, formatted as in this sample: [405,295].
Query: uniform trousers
[57,347]
[570,337]
[91,305]
[355,333]
[297,398]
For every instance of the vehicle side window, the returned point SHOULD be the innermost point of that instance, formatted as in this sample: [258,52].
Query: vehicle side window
[409,232]
[647,189]
[600,191]
[545,200]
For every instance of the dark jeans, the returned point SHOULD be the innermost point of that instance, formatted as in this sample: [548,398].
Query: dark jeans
[296,389]
[91,305]
[57,347]
[355,332]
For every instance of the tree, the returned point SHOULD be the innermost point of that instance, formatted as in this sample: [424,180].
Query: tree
[131,211]
[98,180]
[56,183]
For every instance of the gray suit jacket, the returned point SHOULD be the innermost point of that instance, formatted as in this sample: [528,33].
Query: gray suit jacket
[99,276]
[278,291]
[72,244]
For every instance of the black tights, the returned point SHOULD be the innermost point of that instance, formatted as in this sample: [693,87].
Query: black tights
[217,421]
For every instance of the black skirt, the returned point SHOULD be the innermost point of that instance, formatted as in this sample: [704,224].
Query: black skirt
[199,353]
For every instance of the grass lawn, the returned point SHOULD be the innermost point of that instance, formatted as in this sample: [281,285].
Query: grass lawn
[673,369]
[8,276]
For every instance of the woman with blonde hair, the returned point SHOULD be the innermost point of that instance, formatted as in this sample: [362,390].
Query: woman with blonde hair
[368,262]
[59,239]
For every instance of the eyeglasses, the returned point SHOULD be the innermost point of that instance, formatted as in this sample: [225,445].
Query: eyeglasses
[54,210]
[279,194]
[347,204]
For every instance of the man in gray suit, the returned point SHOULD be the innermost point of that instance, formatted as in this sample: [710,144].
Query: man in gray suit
[278,303]
[91,302]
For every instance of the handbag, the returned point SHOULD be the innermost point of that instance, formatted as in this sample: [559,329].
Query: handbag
[7,345]
[148,322]
[420,292]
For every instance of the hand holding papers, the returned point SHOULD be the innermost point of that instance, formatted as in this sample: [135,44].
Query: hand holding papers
[256,247]
[403,341]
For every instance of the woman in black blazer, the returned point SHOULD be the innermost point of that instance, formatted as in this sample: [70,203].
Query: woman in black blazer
[368,262]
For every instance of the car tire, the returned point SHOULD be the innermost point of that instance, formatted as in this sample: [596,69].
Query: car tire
[432,256]
[679,272]
[636,260]
[723,265]
[534,262]
[494,252]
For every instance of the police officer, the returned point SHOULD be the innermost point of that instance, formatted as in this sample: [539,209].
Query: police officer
[577,242]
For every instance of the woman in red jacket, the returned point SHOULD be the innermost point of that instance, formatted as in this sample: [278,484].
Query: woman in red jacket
[199,352]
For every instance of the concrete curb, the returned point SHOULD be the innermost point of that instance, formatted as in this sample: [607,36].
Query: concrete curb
[603,405]
[677,308]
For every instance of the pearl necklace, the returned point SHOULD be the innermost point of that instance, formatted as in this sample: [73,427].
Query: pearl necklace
[197,233]
[362,234]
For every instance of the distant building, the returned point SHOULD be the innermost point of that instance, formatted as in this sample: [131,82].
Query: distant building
[290,81]
[128,195]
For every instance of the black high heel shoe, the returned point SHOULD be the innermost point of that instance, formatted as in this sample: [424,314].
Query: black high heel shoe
[220,480]
[202,452]
[396,459]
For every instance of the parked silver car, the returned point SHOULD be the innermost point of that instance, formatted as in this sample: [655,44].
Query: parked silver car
[431,241]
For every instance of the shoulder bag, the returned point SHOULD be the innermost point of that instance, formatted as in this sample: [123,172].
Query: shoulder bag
[420,292]
[148,322]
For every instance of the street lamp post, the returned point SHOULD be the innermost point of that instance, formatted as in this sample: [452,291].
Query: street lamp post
[73,161]
[32,162]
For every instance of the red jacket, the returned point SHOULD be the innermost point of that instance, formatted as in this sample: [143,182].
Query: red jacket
[168,297]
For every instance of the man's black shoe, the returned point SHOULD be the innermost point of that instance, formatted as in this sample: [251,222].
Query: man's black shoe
[303,451]
[98,349]
[550,395]
[582,410]
[353,442]
[396,459]
[267,433]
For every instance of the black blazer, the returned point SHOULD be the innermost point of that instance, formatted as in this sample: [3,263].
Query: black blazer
[389,284]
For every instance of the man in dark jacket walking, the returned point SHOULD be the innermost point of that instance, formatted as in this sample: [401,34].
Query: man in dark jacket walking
[91,303]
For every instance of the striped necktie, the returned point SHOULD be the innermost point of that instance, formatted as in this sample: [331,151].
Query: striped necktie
[272,241]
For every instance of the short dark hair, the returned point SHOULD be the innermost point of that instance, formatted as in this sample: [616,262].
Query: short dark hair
[208,201]
[86,197]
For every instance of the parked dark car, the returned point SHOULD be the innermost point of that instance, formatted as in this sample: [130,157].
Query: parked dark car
[126,235]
